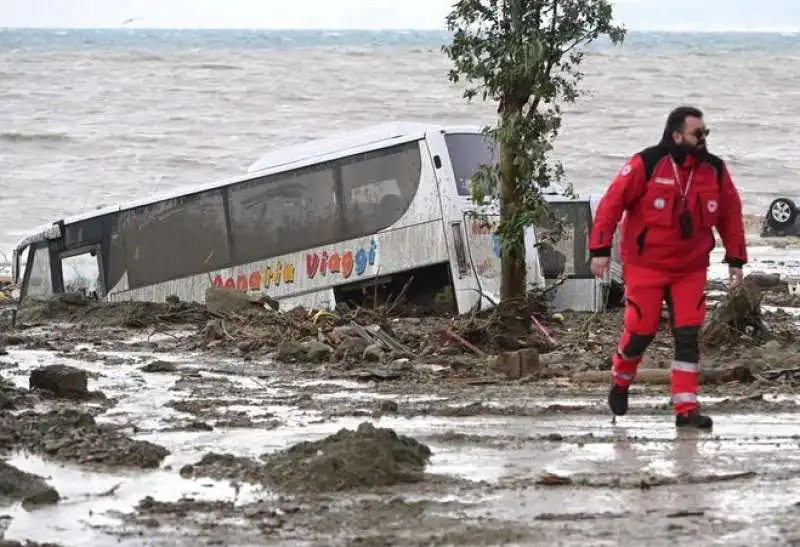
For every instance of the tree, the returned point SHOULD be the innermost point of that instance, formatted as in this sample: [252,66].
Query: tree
[525,55]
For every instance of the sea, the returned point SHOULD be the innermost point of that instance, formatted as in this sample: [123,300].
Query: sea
[90,118]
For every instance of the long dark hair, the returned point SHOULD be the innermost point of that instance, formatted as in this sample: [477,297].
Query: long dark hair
[675,122]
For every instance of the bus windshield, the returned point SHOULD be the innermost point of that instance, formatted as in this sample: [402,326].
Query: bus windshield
[468,152]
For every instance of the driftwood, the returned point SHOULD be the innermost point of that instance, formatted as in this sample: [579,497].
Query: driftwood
[739,313]
[657,376]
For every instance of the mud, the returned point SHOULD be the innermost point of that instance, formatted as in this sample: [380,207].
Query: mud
[365,458]
[77,308]
[72,435]
[236,424]
[32,490]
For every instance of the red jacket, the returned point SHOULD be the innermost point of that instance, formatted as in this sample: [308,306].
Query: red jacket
[646,189]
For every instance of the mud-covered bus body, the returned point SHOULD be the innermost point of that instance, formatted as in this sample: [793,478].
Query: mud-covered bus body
[311,225]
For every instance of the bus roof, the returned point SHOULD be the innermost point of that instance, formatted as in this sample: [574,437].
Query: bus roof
[297,156]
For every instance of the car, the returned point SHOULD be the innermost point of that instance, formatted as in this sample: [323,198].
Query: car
[781,218]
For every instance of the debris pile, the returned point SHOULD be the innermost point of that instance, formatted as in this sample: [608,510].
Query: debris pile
[359,334]
[527,336]
[366,457]
[79,308]
[73,435]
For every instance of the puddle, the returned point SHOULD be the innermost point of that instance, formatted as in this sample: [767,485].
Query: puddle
[784,261]
[87,502]
[785,309]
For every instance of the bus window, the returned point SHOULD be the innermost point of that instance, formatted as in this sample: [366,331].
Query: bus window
[378,187]
[286,213]
[468,152]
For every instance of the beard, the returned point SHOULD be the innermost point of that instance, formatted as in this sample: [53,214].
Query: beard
[693,149]
[681,150]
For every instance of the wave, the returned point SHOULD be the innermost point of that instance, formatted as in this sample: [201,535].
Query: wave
[14,136]
[217,66]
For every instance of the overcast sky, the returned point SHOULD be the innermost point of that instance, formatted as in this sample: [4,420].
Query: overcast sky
[782,15]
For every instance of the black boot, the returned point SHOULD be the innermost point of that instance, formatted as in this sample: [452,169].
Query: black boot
[618,400]
[694,419]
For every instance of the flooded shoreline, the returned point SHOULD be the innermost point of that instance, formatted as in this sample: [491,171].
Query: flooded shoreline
[156,432]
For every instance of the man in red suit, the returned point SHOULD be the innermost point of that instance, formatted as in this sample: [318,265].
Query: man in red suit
[673,195]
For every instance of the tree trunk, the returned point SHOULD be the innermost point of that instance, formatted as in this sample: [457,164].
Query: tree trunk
[739,312]
[512,255]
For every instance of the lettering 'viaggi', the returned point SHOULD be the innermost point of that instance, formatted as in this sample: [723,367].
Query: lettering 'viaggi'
[343,264]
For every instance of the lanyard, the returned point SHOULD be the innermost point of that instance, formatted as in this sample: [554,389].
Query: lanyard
[685,189]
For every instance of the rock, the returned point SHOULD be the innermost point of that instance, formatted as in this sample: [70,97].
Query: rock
[271,302]
[339,334]
[227,301]
[765,280]
[213,331]
[32,490]
[353,346]
[773,346]
[291,351]
[71,435]
[13,340]
[61,380]
[516,364]
[317,352]
[554,358]
[373,353]
[389,406]
[378,374]
[160,366]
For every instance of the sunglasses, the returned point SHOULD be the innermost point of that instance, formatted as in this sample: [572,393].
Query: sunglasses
[701,132]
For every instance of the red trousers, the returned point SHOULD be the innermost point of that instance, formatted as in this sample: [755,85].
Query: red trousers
[645,290]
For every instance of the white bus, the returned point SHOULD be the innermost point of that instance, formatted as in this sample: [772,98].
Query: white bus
[312,225]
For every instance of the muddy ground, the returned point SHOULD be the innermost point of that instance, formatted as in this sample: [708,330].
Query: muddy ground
[233,424]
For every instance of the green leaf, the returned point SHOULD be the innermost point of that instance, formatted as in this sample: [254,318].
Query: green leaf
[524,55]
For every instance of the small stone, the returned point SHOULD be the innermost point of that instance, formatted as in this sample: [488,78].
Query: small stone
[290,351]
[187,471]
[389,406]
[61,380]
[160,366]
[373,353]
[339,334]
[317,352]
[45,496]
[516,364]
[352,346]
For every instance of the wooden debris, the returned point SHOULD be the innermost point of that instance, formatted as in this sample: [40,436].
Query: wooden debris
[738,314]
[652,376]
[450,335]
